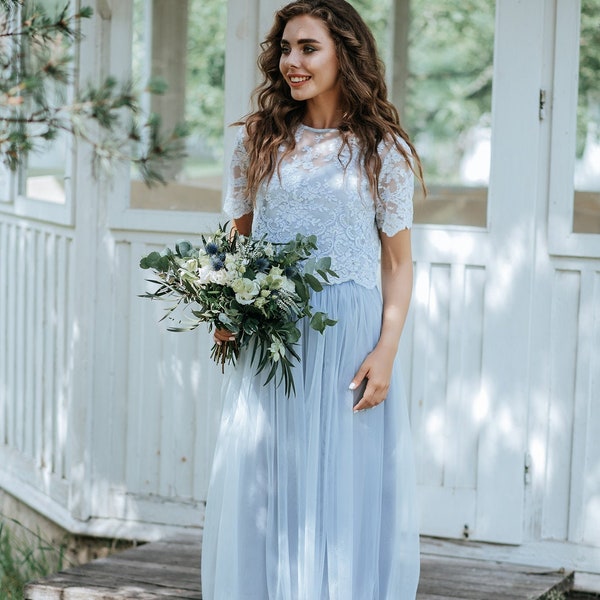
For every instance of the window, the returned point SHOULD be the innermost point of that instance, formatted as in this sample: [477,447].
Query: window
[586,205]
[45,172]
[183,43]
[442,85]
[574,183]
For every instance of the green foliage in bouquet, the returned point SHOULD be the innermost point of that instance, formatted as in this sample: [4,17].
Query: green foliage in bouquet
[253,288]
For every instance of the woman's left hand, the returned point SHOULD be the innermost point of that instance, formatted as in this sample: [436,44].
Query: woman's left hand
[377,369]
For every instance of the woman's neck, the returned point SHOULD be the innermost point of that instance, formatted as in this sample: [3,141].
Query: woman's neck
[322,117]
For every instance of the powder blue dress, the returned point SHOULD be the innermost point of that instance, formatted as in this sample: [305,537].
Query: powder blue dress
[309,500]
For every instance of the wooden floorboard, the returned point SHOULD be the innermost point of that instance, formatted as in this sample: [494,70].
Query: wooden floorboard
[171,569]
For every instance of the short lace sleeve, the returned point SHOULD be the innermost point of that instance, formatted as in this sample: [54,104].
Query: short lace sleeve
[393,207]
[236,203]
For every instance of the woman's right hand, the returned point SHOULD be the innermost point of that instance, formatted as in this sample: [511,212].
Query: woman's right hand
[223,335]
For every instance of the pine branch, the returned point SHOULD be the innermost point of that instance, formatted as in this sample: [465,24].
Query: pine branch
[35,70]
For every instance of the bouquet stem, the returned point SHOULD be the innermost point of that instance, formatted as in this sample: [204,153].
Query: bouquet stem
[225,352]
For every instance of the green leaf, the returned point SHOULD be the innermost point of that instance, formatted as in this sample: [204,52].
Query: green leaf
[324,263]
[184,248]
[155,261]
[309,266]
[314,283]
[319,321]
[157,86]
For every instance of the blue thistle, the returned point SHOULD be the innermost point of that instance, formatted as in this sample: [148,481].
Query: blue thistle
[217,263]
[261,264]
[211,248]
[290,271]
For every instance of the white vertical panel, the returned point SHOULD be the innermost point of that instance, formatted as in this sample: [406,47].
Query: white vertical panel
[30,299]
[60,384]
[179,415]
[19,345]
[11,335]
[144,419]
[38,351]
[207,394]
[125,305]
[432,438]
[589,463]
[563,356]
[471,343]
[48,373]
[70,359]
[4,347]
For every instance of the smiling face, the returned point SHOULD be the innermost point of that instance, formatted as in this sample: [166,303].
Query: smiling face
[309,62]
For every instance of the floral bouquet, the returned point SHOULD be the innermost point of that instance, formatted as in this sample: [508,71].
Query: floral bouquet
[254,288]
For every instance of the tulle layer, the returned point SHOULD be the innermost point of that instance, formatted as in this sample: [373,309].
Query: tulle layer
[308,500]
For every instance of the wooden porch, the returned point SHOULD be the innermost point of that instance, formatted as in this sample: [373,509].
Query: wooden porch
[171,569]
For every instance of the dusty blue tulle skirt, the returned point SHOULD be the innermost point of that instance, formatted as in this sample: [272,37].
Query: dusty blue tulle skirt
[308,500]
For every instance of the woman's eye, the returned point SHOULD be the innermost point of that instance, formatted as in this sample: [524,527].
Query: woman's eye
[308,49]
[285,50]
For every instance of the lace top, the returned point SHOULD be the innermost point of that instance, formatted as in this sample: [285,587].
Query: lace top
[323,192]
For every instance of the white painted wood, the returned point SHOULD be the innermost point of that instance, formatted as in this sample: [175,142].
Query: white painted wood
[562,240]
[19,347]
[565,307]
[99,405]
[586,528]
[116,53]
[495,408]
[581,399]
[4,348]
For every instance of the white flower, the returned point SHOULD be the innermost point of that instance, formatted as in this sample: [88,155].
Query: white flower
[275,279]
[204,274]
[277,350]
[203,259]
[288,285]
[245,290]
[220,277]
[269,252]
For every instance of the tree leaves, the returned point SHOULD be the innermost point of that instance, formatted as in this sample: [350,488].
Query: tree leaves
[35,69]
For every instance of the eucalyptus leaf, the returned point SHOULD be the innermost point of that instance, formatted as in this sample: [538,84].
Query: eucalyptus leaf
[313,282]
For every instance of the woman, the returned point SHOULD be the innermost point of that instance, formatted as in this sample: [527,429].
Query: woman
[312,497]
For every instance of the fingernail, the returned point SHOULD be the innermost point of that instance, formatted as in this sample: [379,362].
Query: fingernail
[231,339]
[219,343]
[352,386]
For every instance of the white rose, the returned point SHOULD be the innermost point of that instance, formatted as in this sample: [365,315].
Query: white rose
[245,290]
[204,274]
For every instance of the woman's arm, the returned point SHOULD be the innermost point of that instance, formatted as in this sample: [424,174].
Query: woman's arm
[243,225]
[396,287]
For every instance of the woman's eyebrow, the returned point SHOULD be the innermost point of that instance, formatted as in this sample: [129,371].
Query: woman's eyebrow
[302,41]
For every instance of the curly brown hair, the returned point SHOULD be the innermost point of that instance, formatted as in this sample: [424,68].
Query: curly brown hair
[367,113]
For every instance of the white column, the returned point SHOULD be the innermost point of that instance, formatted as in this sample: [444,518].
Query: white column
[248,21]
[399,64]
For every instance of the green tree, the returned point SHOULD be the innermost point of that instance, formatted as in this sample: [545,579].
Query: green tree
[206,71]
[588,107]
[36,64]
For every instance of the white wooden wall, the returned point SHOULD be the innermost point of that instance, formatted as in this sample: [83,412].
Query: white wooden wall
[36,364]
[107,422]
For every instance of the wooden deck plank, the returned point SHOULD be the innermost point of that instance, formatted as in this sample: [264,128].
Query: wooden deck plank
[171,569]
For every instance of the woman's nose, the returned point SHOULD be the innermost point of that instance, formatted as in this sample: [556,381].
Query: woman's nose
[291,59]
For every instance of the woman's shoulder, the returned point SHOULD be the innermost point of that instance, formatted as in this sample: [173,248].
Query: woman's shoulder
[394,149]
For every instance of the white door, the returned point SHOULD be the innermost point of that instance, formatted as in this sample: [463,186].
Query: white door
[466,346]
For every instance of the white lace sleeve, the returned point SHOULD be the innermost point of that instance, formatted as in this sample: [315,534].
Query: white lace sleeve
[393,207]
[236,203]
